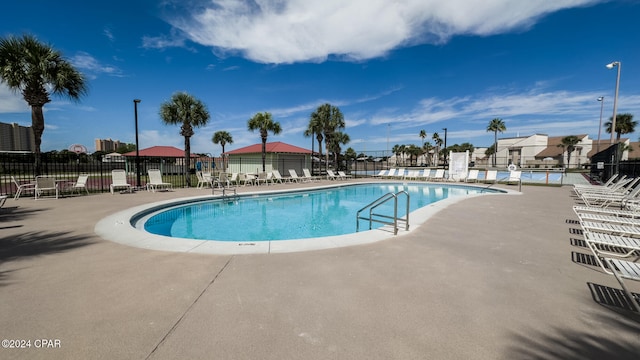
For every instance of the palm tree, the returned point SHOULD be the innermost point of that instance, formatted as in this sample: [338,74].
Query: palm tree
[438,141]
[423,135]
[402,149]
[624,125]
[36,70]
[568,143]
[223,138]
[396,151]
[496,125]
[265,124]
[331,120]
[426,148]
[338,138]
[315,127]
[413,151]
[190,112]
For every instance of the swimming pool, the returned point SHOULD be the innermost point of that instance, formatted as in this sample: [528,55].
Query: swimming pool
[121,227]
[297,215]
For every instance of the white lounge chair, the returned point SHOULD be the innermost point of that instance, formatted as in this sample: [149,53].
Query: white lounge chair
[308,176]
[391,173]
[20,187]
[400,173]
[81,183]
[156,182]
[344,176]
[472,176]
[202,180]
[331,175]
[491,175]
[233,180]
[119,181]
[3,199]
[620,187]
[438,175]
[46,184]
[612,179]
[514,176]
[625,270]
[425,174]
[262,178]
[610,199]
[294,175]
[277,177]
[380,174]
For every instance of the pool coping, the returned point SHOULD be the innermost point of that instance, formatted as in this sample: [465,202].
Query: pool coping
[118,228]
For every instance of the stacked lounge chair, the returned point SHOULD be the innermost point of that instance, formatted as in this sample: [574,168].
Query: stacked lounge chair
[612,233]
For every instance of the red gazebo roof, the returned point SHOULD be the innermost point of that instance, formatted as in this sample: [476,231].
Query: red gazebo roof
[160,151]
[272,147]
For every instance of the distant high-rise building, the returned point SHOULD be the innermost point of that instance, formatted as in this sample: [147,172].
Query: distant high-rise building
[107,145]
[14,137]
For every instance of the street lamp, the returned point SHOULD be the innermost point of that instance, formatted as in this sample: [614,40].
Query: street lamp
[601,99]
[615,99]
[135,111]
[445,146]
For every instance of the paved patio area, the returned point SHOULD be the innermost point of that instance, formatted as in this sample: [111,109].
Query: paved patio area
[492,277]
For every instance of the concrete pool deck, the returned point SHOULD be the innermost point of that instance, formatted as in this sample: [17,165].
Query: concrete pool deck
[490,277]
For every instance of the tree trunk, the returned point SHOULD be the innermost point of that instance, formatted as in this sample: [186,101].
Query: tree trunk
[495,148]
[187,160]
[37,124]
[264,153]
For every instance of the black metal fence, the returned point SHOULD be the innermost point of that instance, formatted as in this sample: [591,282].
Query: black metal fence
[20,168]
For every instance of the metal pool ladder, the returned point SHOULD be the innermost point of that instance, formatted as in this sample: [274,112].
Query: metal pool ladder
[385,219]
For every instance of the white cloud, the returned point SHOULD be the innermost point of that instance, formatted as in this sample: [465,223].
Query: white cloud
[287,31]
[109,34]
[85,61]
[11,102]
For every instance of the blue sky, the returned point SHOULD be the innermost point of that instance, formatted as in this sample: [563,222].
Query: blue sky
[393,67]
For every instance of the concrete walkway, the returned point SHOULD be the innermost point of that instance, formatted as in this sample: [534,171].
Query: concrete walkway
[493,277]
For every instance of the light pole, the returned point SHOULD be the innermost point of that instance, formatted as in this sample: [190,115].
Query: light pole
[135,112]
[615,98]
[445,146]
[601,99]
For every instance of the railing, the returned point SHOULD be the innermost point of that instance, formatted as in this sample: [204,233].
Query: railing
[382,218]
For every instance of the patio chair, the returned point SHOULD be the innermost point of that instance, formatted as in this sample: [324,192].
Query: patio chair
[610,199]
[308,176]
[514,176]
[391,173]
[155,181]
[233,180]
[612,179]
[119,181]
[277,177]
[623,269]
[380,174]
[3,199]
[20,187]
[45,184]
[344,176]
[294,175]
[438,176]
[202,181]
[262,178]
[620,187]
[400,173]
[331,175]
[491,176]
[472,176]
[424,175]
[81,183]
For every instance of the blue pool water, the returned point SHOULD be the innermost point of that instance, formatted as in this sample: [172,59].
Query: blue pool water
[295,215]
